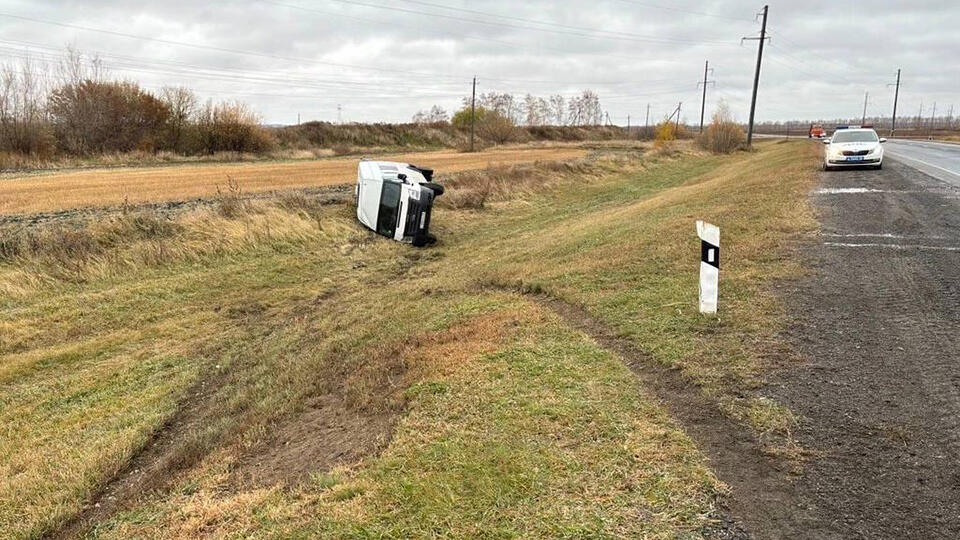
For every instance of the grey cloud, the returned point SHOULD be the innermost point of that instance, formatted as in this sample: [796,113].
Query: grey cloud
[823,55]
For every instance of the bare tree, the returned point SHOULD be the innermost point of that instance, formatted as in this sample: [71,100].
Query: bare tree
[23,120]
[503,104]
[585,110]
[76,67]
[557,109]
[537,110]
[436,115]
[182,103]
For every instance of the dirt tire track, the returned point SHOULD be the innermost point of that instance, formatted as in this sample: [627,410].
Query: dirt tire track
[149,468]
[765,500]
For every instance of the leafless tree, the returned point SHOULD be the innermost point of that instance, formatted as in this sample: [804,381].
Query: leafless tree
[538,110]
[76,67]
[585,110]
[182,103]
[436,115]
[557,109]
[503,104]
[23,120]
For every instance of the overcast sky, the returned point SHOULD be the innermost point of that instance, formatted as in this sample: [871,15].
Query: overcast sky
[384,60]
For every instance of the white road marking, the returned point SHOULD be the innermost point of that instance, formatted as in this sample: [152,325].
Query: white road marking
[860,191]
[839,191]
[882,235]
[892,246]
[910,142]
[920,161]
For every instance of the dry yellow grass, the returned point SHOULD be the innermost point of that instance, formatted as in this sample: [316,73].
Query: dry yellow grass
[514,424]
[106,187]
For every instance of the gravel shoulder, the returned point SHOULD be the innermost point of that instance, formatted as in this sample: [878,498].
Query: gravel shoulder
[878,388]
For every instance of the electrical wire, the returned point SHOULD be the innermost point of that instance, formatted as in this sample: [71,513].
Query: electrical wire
[544,23]
[594,34]
[228,50]
[686,11]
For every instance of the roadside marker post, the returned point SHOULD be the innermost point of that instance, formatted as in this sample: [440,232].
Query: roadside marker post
[709,266]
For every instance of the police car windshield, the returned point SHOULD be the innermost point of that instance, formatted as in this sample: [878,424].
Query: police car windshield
[844,136]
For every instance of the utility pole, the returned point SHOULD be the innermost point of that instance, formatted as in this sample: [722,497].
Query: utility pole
[756,75]
[920,117]
[896,95]
[676,129]
[646,123]
[473,112]
[628,125]
[704,82]
[863,119]
[933,118]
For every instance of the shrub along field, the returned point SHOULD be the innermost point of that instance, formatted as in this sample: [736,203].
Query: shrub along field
[270,369]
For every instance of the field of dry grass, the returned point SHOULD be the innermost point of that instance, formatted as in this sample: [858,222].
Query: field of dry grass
[226,366]
[47,192]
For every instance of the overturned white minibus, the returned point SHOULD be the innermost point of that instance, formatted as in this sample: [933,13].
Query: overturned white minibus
[396,200]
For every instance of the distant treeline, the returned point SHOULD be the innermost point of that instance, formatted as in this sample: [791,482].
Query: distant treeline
[946,122]
[425,135]
[582,109]
[74,110]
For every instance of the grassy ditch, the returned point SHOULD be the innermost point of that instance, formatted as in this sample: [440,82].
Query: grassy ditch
[484,415]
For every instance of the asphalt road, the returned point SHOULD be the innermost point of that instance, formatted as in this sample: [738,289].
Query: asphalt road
[940,160]
[875,325]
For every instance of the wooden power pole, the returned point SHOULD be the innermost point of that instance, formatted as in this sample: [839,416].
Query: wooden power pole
[473,112]
[704,82]
[896,96]
[756,74]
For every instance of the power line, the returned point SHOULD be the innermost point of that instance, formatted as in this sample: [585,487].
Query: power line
[808,50]
[294,59]
[242,77]
[686,11]
[223,49]
[208,73]
[816,72]
[598,34]
[285,74]
[458,35]
[545,23]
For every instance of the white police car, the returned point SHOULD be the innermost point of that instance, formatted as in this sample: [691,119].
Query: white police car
[853,146]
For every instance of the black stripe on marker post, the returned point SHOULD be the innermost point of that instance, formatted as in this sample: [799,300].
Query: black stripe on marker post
[710,254]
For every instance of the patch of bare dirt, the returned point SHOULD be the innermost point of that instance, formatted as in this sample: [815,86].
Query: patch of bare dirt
[326,435]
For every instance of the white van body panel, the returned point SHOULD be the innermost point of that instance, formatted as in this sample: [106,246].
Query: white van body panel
[415,199]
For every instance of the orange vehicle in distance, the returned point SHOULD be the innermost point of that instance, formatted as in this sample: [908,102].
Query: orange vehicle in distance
[816,131]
